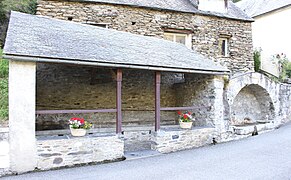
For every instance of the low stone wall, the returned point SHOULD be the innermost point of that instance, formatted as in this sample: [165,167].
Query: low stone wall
[4,133]
[176,140]
[67,151]
[4,151]
[137,140]
[285,103]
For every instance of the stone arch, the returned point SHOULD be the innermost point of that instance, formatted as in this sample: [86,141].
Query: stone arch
[253,103]
[251,89]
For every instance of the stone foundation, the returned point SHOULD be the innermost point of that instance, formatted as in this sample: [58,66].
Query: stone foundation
[4,151]
[177,140]
[68,151]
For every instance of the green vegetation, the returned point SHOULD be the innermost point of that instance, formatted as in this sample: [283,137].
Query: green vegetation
[257,59]
[26,6]
[3,89]
[285,68]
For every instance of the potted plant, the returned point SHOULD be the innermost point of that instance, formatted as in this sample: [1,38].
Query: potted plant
[78,126]
[185,120]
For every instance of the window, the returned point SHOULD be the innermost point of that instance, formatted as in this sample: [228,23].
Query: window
[179,38]
[223,46]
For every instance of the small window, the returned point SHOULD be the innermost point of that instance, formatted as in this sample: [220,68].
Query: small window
[223,47]
[179,38]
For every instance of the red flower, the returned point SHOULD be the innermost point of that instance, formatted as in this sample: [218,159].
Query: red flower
[82,121]
[189,113]
[185,116]
[179,112]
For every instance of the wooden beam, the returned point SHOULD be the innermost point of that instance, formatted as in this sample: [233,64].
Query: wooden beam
[75,111]
[118,101]
[157,101]
[183,108]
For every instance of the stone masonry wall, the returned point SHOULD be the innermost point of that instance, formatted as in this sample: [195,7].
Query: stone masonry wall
[4,150]
[205,92]
[285,102]
[171,141]
[56,153]
[205,30]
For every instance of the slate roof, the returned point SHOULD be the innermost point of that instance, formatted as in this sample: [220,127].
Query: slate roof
[189,6]
[44,39]
[255,8]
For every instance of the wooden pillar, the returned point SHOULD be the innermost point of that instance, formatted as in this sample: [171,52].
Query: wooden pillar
[157,101]
[118,101]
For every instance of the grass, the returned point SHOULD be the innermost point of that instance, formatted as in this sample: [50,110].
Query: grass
[3,89]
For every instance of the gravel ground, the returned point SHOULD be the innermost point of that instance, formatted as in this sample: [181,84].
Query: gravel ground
[262,157]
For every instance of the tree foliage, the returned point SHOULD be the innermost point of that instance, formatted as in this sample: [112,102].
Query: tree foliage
[257,60]
[2,12]
[25,6]
[3,89]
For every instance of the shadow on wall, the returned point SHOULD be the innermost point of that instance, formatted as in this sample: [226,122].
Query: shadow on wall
[253,103]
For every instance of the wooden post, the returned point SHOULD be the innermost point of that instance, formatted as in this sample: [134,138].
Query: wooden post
[118,101]
[157,101]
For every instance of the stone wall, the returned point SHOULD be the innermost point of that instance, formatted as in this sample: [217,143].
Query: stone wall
[205,30]
[285,102]
[171,141]
[4,150]
[205,92]
[72,87]
[60,152]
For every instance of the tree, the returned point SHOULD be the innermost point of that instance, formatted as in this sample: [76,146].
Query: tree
[25,6]
[2,12]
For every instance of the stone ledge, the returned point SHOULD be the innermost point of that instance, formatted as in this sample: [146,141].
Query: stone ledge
[249,129]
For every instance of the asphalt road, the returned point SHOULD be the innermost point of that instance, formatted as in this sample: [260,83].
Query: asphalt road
[263,157]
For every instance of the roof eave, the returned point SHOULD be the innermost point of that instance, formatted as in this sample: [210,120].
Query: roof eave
[111,65]
[274,10]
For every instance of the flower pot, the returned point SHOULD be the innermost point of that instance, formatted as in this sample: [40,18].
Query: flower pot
[186,125]
[78,132]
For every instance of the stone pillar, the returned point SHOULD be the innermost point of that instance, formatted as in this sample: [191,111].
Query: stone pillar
[218,105]
[22,139]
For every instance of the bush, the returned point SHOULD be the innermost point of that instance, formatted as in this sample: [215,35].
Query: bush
[3,89]
[257,60]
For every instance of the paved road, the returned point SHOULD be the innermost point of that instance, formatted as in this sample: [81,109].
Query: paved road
[262,157]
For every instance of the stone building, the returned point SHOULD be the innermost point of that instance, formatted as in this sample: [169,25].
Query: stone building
[132,84]
[222,34]
[225,37]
